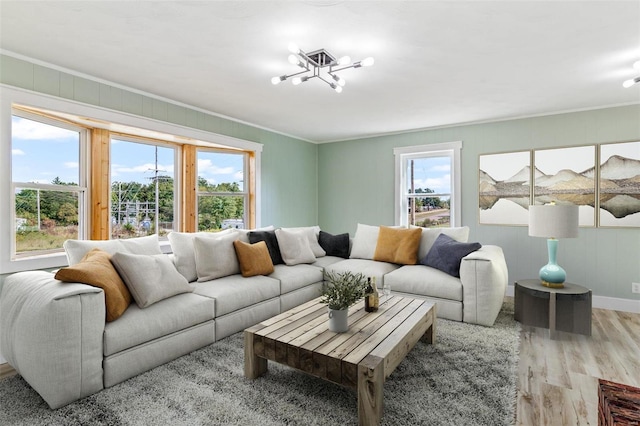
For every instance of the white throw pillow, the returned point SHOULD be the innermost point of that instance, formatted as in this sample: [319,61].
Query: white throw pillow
[311,233]
[184,256]
[364,242]
[216,256]
[150,278]
[76,249]
[294,247]
[429,235]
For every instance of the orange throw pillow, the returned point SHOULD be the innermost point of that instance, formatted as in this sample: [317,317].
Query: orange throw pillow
[96,269]
[254,259]
[398,245]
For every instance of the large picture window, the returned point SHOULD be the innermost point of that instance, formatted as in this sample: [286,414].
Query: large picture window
[48,176]
[428,185]
[143,188]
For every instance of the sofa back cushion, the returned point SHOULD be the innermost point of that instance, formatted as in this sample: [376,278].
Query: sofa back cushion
[184,256]
[76,249]
[398,245]
[216,256]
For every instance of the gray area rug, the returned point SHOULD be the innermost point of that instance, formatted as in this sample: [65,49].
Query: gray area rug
[467,378]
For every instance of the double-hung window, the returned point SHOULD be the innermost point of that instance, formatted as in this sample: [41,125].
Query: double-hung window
[428,185]
[223,196]
[49,183]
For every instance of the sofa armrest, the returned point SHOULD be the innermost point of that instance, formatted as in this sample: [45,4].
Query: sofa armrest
[484,278]
[51,333]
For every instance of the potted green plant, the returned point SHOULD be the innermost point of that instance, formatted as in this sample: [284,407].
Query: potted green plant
[341,291]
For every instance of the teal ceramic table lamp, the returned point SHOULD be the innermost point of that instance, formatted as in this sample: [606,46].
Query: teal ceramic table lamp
[553,221]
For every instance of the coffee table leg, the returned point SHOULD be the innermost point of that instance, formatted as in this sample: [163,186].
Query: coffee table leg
[254,366]
[370,381]
[429,336]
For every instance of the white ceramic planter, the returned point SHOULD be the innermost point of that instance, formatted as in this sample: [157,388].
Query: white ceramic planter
[338,320]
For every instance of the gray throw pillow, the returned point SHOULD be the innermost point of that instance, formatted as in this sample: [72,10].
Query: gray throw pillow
[149,278]
[447,253]
[334,245]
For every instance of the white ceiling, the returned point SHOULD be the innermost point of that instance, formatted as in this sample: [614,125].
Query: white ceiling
[437,62]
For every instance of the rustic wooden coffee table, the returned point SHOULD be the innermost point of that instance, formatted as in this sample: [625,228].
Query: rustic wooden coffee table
[362,358]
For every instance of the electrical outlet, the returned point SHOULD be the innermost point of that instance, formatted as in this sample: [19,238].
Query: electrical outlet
[635,287]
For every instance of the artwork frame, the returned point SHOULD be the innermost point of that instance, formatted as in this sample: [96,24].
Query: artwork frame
[619,185]
[504,188]
[567,176]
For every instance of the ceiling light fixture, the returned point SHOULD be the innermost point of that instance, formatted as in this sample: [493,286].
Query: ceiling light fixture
[633,81]
[319,64]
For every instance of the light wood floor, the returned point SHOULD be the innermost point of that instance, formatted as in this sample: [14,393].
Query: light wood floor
[558,379]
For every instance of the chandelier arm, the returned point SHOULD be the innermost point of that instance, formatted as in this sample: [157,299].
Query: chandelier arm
[286,76]
[331,70]
[328,82]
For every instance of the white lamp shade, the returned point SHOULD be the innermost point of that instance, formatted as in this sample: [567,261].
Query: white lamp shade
[553,221]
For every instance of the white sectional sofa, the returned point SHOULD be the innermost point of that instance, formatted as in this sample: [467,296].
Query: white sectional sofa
[56,336]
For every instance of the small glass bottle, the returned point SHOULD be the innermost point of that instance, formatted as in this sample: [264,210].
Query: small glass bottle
[368,291]
[375,297]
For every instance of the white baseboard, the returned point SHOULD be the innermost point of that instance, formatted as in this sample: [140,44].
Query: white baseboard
[603,302]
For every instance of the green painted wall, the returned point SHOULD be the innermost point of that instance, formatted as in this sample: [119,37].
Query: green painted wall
[356,184]
[289,166]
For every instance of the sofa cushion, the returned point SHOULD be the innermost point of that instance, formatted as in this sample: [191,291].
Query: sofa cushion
[397,245]
[96,269]
[269,237]
[429,236]
[294,247]
[368,268]
[150,278]
[364,242]
[236,292]
[312,233]
[323,262]
[447,253]
[184,256]
[424,281]
[254,259]
[76,249]
[216,256]
[297,276]
[138,326]
[334,245]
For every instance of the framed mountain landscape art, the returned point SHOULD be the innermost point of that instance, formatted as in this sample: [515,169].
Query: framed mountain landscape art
[504,188]
[567,176]
[619,184]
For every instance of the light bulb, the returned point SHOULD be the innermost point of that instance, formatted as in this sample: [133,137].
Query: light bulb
[276,80]
[338,89]
[630,82]
[296,80]
[293,48]
[367,62]
[344,60]
[341,81]
[636,65]
[293,59]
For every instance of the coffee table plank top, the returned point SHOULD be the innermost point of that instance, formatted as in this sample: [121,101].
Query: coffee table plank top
[361,358]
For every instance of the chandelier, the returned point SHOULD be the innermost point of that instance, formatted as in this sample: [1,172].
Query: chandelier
[633,81]
[319,64]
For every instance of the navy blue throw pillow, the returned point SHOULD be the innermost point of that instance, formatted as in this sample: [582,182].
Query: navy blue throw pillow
[447,253]
[334,245]
[269,237]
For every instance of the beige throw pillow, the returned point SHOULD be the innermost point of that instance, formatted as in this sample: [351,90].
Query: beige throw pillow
[150,278]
